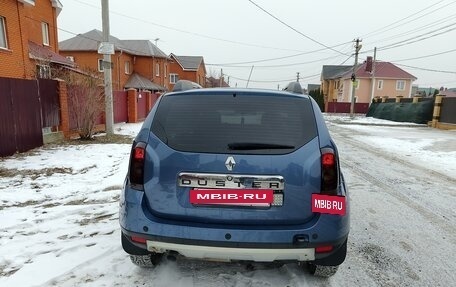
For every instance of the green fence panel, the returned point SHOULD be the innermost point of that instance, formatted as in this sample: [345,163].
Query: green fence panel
[419,113]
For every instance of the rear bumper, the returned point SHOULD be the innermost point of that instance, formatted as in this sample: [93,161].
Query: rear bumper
[235,242]
[231,253]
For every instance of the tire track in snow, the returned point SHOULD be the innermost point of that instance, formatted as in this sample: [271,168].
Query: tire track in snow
[388,184]
[347,138]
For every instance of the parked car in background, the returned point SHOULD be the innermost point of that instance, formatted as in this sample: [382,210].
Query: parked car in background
[236,174]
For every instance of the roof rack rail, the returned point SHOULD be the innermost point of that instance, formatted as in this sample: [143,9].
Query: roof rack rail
[294,87]
[183,85]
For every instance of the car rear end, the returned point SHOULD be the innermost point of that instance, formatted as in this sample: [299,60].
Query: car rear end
[229,174]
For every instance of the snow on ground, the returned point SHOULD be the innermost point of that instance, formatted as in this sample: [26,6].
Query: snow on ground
[430,148]
[59,222]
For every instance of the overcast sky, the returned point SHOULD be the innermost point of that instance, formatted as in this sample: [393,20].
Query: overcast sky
[296,36]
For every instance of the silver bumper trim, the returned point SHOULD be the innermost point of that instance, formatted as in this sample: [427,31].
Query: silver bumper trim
[227,253]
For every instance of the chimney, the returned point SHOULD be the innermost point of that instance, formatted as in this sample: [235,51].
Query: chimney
[369,64]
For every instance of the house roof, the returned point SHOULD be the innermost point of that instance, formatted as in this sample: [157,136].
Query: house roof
[448,93]
[137,81]
[41,53]
[143,48]
[212,82]
[86,42]
[334,72]
[426,91]
[89,42]
[55,3]
[189,63]
[382,70]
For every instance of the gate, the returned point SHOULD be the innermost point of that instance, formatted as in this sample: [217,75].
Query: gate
[50,103]
[120,106]
[142,105]
[20,116]
[447,112]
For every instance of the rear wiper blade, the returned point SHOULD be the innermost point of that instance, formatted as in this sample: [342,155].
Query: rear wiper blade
[252,146]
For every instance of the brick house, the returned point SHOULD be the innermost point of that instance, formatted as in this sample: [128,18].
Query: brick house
[212,82]
[331,81]
[136,64]
[389,81]
[28,39]
[190,68]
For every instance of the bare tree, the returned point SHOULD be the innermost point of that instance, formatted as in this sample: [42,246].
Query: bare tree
[86,101]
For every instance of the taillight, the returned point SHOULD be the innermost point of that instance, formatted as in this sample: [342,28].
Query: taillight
[138,239]
[329,176]
[323,249]
[137,159]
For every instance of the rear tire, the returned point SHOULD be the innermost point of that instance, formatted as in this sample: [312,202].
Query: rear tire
[322,271]
[146,261]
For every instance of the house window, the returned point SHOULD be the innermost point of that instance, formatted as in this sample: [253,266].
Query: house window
[100,65]
[173,78]
[157,70]
[400,85]
[127,68]
[3,42]
[45,33]
[380,85]
[43,71]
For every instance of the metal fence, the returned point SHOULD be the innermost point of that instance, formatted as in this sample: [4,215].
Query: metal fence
[50,103]
[120,106]
[20,116]
[344,107]
[448,111]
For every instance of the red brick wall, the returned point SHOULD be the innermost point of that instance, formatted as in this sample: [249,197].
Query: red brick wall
[23,23]
[145,66]
[12,59]
[84,60]
[119,77]
[34,16]
[198,76]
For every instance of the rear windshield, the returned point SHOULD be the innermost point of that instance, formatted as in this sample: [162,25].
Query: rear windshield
[230,123]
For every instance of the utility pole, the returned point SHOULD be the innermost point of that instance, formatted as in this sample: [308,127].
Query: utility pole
[221,77]
[107,69]
[250,75]
[297,77]
[373,76]
[353,78]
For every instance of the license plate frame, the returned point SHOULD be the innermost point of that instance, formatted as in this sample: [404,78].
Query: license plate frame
[232,197]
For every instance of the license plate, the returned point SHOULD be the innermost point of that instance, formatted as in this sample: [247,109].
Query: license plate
[249,197]
[328,204]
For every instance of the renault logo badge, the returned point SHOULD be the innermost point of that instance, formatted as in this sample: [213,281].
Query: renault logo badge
[230,163]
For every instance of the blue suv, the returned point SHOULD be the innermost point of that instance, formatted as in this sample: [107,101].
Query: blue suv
[236,175]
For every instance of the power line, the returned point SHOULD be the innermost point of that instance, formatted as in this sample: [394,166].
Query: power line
[294,29]
[418,29]
[425,56]
[415,39]
[261,81]
[273,66]
[187,32]
[382,30]
[426,69]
